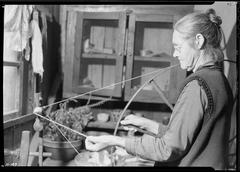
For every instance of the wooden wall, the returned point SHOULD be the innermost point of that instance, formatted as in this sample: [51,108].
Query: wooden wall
[13,130]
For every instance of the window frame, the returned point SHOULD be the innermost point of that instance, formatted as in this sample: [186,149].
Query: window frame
[16,112]
[26,97]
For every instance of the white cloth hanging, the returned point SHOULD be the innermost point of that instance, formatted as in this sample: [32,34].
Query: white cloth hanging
[16,20]
[37,51]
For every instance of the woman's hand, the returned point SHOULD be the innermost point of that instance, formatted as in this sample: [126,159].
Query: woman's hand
[135,120]
[141,122]
[98,143]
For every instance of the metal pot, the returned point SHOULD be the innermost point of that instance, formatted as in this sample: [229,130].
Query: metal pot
[61,150]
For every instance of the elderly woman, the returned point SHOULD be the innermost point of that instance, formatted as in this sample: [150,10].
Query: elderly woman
[197,132]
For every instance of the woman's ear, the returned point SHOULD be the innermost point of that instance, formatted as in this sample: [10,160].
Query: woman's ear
[199,41]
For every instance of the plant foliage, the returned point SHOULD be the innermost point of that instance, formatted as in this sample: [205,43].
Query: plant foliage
[74,118]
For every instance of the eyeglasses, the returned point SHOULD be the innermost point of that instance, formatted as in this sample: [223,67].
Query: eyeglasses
[177,48]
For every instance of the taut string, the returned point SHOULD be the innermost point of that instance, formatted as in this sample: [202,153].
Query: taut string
[80,95]
[120,117]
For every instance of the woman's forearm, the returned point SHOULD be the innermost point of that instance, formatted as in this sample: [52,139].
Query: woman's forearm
[119,141]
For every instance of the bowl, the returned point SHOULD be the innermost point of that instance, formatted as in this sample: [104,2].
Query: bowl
[61,150]
[103,117]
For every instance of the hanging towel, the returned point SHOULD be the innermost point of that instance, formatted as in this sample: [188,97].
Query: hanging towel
[37,52]
[16,20]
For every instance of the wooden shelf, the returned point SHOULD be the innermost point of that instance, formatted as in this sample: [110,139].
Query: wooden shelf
[86,97]
[99,56]
[153,59]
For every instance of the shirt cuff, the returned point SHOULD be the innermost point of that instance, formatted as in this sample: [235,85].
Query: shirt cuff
[161,130]
[130,145]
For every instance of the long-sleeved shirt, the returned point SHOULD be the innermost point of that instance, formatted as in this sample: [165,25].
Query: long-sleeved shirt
[184,122]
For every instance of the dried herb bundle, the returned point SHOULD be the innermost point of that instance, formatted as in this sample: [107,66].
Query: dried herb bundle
[74,118]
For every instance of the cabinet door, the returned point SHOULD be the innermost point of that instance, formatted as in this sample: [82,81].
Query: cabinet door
[150,49]
[94,52]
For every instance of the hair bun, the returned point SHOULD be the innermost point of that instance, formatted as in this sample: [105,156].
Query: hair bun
[213,17]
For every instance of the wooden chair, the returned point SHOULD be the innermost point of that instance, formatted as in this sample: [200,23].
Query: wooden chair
[30,149]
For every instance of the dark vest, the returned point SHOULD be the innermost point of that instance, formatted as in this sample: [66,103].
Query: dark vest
[210,144]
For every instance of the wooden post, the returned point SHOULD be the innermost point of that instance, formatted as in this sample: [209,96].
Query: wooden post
[39,132]
[24,148]
[40,156]
[33,148]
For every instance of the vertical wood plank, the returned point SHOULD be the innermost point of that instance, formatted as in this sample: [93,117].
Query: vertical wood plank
[108,43]
[129,64]
[33,147]
[22,88]
[108,75]
[90,66]
[97,34]
[90,72]
[33,88]
[120,35]
[40,150]
[139,34]
[96,75]
[69,58]
[25,94]
[120,49]
[77,49]
[92,35]
[110,38]
[24,148]
[109,70]
[63,22]
[97,37]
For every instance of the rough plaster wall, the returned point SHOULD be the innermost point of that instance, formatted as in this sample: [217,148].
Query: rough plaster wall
[227,11]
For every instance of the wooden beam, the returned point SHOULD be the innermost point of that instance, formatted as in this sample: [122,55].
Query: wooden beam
[13,64]
[45,154]
[18,120]
[10,115]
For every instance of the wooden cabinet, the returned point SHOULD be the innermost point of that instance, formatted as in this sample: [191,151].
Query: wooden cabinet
[149,49]
[101,48]
[94,52]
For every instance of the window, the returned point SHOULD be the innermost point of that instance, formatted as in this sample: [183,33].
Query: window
[19,80]
[12,80]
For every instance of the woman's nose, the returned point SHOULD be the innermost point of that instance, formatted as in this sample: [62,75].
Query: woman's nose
[175,54]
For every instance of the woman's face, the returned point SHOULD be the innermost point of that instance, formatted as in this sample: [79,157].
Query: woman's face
[185,53]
